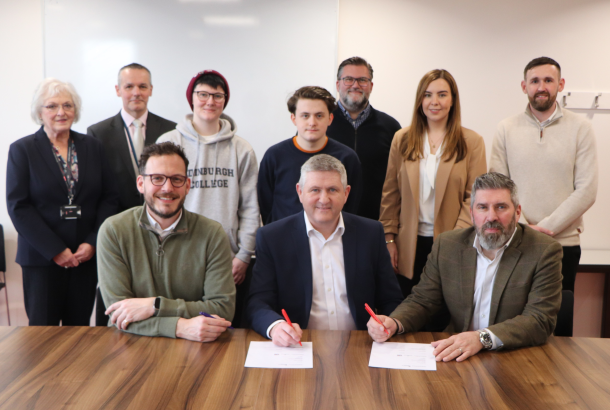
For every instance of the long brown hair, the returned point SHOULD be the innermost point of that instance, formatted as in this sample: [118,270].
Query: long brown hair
[412,145]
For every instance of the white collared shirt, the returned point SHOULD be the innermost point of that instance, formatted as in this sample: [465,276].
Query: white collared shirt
[483,288]
[162,232]
[329,303]
[428,165]
[546,122]
[128,119]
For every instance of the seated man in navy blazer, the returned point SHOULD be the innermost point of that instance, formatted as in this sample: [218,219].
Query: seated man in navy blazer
[320,265]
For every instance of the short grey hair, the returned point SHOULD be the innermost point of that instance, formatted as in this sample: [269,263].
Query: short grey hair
[323,163]
[134,66]
[50,87]
[494,180]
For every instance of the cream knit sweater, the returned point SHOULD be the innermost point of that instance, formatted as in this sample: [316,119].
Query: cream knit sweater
[555,169]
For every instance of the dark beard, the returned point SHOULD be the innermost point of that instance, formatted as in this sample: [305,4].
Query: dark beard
[166,215]
[543,106]
[493,241]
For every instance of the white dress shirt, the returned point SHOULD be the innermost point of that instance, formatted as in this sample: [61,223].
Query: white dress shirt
[128,119]
[162,232]
[546,122]
[329,304]
[483,288]
[428,165]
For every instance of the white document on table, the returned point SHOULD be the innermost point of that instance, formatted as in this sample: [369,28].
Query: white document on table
[269,356]
[411,356]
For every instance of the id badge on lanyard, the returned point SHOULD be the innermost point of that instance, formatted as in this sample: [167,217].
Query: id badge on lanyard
[133,149]
[69,211]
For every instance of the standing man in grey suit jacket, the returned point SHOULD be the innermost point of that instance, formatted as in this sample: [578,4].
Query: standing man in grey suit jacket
[500,280]
[124,136]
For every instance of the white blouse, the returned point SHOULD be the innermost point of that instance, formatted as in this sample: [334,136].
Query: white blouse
[428,166]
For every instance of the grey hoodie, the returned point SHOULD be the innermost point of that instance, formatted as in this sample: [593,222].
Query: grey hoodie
[223,171]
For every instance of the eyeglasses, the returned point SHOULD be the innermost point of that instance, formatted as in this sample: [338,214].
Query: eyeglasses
[159,179]
[204,96]
[362,81]
[55,107]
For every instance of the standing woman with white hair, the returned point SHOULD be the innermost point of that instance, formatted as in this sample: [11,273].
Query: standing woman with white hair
[59,190]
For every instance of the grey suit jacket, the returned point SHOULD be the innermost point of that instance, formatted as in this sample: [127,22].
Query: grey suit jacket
[526,293]
[111,133]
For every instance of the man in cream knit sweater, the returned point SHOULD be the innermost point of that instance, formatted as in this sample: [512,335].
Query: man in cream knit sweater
[550,153]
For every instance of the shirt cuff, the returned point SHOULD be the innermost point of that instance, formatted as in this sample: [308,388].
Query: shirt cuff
[271,327]
[496,342]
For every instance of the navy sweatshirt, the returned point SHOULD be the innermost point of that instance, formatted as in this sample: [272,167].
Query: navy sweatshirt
[371,141]
[280,171]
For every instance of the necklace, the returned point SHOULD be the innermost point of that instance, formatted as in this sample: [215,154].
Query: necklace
[434,143]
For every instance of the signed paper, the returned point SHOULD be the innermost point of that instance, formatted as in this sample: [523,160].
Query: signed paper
[411,356]
[269,356]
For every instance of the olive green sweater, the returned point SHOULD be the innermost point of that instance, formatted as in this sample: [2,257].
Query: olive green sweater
[190,270]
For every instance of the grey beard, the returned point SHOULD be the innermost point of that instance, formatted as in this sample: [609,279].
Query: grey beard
[493,241]
[351,105]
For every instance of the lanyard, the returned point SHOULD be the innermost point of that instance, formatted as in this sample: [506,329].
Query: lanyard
[67,173]
[133,150]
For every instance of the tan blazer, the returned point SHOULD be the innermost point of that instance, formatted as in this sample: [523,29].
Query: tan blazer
[526,293]
[400,198]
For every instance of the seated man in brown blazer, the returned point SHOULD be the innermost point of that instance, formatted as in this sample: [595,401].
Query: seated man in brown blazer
[500,280]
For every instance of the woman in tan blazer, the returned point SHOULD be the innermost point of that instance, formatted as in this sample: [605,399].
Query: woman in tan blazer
[432,166]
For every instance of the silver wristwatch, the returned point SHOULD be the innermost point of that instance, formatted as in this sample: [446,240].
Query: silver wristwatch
[485,339]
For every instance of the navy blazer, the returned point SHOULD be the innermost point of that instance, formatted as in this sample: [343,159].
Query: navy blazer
[35,190]
[111,133]
[282,277]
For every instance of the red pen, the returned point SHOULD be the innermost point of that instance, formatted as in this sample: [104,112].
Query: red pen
[289,322]
[374,316]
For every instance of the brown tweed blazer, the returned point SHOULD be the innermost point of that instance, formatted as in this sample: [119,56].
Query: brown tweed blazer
[526,293]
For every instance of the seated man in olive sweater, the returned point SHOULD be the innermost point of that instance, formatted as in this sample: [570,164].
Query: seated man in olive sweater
[160,265]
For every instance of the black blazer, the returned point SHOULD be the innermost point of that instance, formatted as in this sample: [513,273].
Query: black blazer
[282,277]
[35,190]
[111,133]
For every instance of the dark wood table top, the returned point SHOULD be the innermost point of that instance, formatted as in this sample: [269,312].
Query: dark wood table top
[103,368]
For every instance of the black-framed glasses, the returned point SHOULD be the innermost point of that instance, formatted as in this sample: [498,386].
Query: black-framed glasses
[159,179]
[204,96]
[55,107]
[362,81]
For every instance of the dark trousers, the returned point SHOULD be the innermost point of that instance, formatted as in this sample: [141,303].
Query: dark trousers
[422,250]
[101,319]
[569,266]
[53,294]
[439,321]
[240,318]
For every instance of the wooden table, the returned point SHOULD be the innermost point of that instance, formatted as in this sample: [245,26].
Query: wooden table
[103,368]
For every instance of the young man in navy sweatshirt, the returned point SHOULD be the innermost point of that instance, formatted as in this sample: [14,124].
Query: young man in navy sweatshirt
[311,112]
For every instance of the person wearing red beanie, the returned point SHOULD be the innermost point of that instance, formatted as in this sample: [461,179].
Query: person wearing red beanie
[223,169]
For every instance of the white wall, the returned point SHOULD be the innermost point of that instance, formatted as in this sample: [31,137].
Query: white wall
[21,70]
[486,45]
